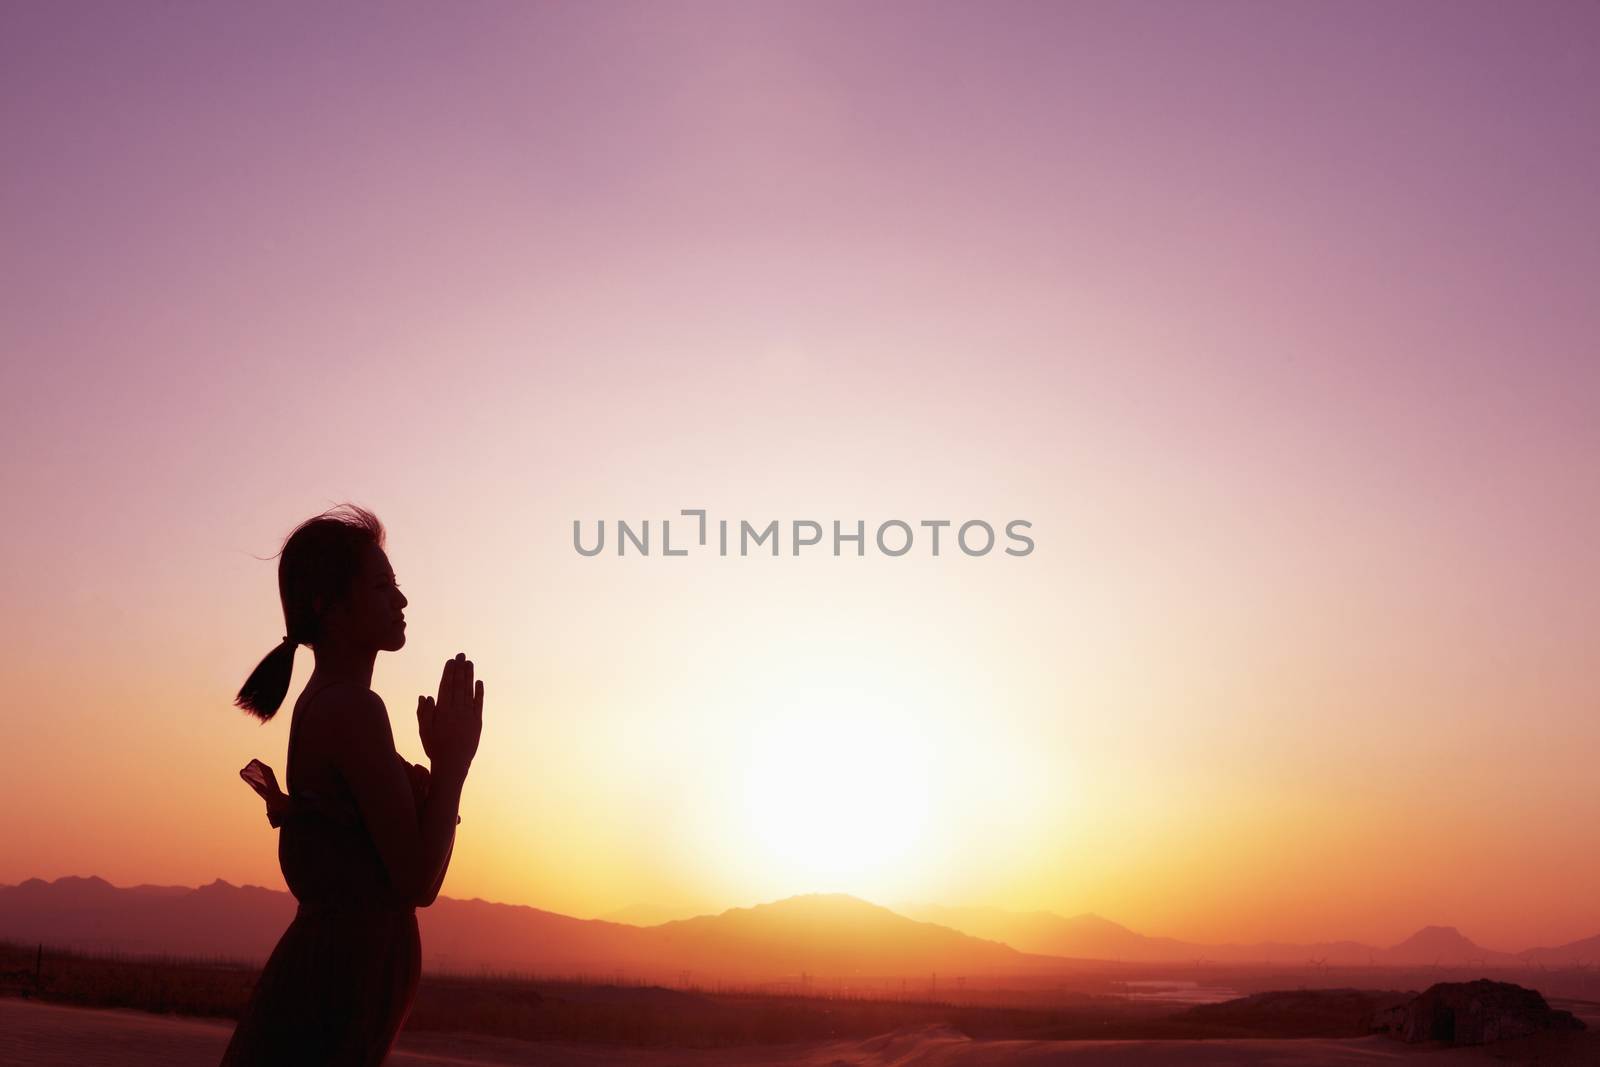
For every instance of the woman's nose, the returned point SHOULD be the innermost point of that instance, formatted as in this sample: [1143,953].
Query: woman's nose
[402,596]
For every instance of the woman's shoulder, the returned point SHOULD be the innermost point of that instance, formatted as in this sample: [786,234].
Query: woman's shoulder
[349,717]
[344,689]
[334,699]
[339,712]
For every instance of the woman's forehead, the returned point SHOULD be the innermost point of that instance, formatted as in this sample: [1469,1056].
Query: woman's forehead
[377,561]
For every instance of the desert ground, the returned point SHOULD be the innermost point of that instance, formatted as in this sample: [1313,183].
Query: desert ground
[34,1034]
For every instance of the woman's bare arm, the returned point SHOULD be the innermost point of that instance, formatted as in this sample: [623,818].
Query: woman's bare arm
[415,851]
[433,891]
[420,783]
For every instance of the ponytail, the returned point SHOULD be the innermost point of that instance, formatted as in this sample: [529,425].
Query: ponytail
[263,692]
[317,566]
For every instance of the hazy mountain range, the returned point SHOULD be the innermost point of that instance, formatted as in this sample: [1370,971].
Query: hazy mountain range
[1092,937]
[823,935]
[818,935]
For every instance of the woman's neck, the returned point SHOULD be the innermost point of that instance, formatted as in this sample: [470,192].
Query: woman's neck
[341,663]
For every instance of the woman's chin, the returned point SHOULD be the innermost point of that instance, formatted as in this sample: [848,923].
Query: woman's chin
[396,643]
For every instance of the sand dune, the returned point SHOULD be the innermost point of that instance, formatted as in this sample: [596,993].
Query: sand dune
[50,1035]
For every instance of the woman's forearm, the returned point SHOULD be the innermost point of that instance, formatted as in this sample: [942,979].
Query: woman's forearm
[433,891]
[438,828]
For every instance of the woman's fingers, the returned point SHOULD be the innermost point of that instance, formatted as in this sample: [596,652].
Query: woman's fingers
[425,719]
[260,777]
[447,681]
[450,682]
[459,692]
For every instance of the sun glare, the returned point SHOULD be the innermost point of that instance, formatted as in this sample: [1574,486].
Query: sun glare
[837,790]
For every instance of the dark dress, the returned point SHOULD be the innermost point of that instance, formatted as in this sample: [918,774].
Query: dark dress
[343,976]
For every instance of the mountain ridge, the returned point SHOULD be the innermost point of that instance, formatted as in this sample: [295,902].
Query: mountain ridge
[810,933]
[1093,936]
[815,934]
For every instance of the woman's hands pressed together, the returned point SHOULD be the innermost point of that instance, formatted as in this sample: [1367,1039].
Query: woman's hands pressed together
[451,725]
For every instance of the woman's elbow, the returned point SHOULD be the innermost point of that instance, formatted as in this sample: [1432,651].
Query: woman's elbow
[415,891]
[421,891]
[426,889]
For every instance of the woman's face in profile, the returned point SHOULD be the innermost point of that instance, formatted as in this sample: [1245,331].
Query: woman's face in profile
[373,615]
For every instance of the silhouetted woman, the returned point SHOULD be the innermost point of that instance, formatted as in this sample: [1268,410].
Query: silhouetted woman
[364,837]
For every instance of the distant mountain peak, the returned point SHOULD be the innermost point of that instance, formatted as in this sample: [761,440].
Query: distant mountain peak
[1089,918]
[1437,935]
[76,880]
[816,904]
[844,898]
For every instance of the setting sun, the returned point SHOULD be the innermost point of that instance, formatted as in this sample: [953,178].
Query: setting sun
[837,788]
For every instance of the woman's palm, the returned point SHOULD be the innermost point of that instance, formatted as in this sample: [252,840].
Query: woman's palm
[451,724]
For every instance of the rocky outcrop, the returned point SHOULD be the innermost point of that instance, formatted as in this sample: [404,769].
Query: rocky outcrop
[1473,1013]
[1300,1012]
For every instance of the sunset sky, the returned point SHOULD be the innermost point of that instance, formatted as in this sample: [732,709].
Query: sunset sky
[1278,322]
